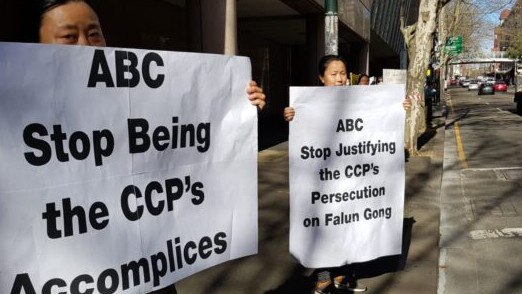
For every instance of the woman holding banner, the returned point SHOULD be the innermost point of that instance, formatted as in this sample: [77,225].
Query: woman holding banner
[74,22]
[332,72]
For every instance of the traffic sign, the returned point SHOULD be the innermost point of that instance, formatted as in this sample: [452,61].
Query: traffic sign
[453,45]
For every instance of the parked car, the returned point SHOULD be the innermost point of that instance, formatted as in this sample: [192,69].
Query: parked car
[486,88]
[464,83]
[500,86]
[473,85]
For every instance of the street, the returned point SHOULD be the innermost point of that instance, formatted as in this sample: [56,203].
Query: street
[481,224]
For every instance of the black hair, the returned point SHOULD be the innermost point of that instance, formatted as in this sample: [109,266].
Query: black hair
[37,8]
[45,5]
[362,76]
[326,60]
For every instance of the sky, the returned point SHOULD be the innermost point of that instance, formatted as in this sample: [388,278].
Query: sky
[494,7]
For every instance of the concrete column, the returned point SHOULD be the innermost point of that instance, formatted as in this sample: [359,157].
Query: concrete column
[230,28]
[331,28]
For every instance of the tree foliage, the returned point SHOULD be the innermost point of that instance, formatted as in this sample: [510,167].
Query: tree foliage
[515,48]
[437,21]
[463,19]
[513,31]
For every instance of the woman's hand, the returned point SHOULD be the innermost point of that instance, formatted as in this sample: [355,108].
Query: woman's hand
[255,95]
[289,113]
[407,103]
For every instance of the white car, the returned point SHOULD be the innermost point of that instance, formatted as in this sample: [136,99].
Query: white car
[473,85]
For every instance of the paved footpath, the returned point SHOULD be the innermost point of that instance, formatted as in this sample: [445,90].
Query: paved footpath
[417,269]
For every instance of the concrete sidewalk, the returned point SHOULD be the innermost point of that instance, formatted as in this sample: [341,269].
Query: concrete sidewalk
[273,270]
[481,223]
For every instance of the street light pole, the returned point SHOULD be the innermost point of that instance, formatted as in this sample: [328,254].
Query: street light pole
[230,28]
[515,75]
[331,21]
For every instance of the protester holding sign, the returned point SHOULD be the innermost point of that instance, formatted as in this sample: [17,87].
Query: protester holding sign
[332,72]
[110,171]
[335,78]
[363,80]
[69,23]
[74,22]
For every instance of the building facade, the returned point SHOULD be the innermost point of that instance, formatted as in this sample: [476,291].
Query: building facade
[502,35]
[510,25]
[283,38]
[387,48]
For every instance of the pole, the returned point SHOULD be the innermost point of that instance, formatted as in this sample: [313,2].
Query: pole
[230,28]
[331,21]
[515,76]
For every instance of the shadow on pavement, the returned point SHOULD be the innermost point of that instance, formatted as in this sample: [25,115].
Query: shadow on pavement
[386,264]
[426,137]
[297,283]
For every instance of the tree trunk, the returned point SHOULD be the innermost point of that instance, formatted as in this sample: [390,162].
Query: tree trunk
[419,51]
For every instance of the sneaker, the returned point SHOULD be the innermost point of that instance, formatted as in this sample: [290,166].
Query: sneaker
[350,284]
[317,291]
[326,290]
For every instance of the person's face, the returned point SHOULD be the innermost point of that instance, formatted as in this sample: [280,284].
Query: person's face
[74,23]
[335,74]
[364,81]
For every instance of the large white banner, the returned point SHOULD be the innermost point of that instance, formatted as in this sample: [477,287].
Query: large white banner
[122,170]
[346,174]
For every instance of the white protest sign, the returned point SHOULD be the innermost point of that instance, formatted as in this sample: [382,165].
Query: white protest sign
[346,174]
[123,171]
[394,76]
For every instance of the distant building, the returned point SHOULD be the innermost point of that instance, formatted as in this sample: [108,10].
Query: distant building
[501,34]
[510,24]
[504,15]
